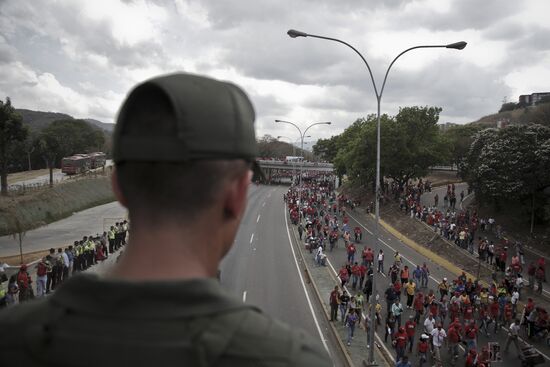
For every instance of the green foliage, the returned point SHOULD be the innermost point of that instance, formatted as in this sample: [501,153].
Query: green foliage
[509,164]
[458,140]
[11,132]
[326,149]
[270,147]
[64,138]
[509,106]
[410,144]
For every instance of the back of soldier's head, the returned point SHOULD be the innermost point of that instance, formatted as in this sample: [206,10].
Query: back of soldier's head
[178,138]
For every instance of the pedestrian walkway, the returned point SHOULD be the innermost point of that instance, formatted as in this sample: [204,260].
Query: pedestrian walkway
[325,279]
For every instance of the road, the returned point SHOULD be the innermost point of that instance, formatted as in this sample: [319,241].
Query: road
[389,244]
[44,179]
[261,269]
[64,232]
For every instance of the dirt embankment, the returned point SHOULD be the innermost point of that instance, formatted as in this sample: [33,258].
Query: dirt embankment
[427,237]
[21,213]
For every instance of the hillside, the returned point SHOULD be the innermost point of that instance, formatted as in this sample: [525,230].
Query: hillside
[37,120]
[521,116]
[102,125]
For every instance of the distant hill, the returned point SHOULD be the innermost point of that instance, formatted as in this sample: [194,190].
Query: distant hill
[519,116]
[37,120]
[102,125]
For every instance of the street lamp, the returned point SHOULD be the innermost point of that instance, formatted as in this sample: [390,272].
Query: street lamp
[293,143]
[457,46]
[302,136]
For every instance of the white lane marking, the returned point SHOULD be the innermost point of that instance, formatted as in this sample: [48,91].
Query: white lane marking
[251,238]
[304,285]
[363,314]
[244,296]
[269,195]
[258,219]
[263,204]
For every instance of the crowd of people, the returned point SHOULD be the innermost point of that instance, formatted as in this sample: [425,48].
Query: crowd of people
[56,267]
[452,314]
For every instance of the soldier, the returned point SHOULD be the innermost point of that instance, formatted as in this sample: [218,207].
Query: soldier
[111,237]
[183,146]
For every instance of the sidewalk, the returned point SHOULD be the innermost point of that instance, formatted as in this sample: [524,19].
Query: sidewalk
[324,279]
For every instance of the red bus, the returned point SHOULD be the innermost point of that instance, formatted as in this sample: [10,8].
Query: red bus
[98,159]
[76,164]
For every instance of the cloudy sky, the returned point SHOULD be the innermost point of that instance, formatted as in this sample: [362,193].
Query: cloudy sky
[81,57]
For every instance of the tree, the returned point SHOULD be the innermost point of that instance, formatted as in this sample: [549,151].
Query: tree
[510,164]
[64,138]
[509,106]
[411,143]
[458,140]
[11,131]
[326,149]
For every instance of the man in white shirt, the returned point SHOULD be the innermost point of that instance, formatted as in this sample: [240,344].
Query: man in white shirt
[513,331]
[397,310]
[438,337]
[429,324]
[514,300]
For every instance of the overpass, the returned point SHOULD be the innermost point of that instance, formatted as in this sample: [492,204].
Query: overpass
[284,171]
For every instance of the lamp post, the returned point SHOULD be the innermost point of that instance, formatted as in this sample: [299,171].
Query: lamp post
[458,46]
[302,136]
[293,152]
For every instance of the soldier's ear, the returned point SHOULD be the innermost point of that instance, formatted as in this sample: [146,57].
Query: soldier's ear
[116,189]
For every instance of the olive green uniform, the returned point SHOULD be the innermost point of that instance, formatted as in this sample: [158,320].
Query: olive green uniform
[92,321]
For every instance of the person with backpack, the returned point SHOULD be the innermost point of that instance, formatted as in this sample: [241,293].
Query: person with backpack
[41,277]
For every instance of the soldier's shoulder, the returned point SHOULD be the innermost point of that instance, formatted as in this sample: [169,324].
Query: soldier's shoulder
[264,341]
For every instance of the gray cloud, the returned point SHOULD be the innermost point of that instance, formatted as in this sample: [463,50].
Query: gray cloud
[461,15]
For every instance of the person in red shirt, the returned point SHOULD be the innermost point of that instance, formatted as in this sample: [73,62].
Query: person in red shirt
[470,335]
[397,288]
[454,310]
[493,313]
[471,359]
[351,253]
[468,313]
[508,314]
[454,337]
[362,273]
[334,301]
[343,275]
[400,341]
[410,327]
[355,275]
[418,305]
[423,347]
[358,234]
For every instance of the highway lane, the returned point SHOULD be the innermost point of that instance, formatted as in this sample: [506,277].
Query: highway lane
[389,245]
[260,269]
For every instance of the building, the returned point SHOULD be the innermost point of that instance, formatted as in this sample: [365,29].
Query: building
[532,99]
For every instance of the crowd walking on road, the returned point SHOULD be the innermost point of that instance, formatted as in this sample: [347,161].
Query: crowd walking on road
[438,325]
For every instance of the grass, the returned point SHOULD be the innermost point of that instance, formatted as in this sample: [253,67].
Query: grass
[28,175]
